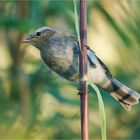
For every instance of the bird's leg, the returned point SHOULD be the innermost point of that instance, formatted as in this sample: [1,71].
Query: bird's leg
[81,88]
[78,89]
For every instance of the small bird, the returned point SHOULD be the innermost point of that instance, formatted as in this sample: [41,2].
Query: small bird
[60,52]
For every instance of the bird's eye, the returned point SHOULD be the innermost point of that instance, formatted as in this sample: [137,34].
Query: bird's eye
[38,33]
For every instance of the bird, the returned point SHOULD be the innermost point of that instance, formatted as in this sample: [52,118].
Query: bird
[59,50]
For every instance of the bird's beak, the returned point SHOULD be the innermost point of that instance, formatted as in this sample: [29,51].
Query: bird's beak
[27,40]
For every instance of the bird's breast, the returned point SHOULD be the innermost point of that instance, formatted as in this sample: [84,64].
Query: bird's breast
[62,61]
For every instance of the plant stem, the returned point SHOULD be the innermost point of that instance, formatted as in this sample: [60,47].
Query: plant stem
[83,70]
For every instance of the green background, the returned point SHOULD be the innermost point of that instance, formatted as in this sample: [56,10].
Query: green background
[35,103]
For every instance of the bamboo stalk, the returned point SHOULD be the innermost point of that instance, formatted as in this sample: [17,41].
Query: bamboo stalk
[83,71]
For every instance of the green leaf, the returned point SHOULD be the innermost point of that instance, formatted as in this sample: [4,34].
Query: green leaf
[76,17]
[101,109]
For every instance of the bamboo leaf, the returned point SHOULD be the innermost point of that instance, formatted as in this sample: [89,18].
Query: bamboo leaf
[76,17]
[101,110]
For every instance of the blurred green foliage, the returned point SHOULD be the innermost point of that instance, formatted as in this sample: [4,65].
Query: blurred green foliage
[35,103]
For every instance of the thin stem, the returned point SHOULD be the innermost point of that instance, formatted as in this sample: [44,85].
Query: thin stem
[83,70]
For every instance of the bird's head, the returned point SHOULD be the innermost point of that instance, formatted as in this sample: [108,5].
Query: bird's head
[40,35]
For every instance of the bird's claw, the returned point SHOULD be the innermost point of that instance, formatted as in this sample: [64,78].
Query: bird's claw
[79,91]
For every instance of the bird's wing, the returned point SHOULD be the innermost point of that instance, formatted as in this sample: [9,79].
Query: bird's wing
[91,54]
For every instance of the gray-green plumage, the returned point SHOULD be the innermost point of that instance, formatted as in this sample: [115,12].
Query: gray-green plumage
[60,52]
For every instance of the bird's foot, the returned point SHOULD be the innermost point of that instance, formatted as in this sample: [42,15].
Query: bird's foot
[79,91]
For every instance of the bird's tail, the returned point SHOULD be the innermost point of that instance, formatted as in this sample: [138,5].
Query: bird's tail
[126,96]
